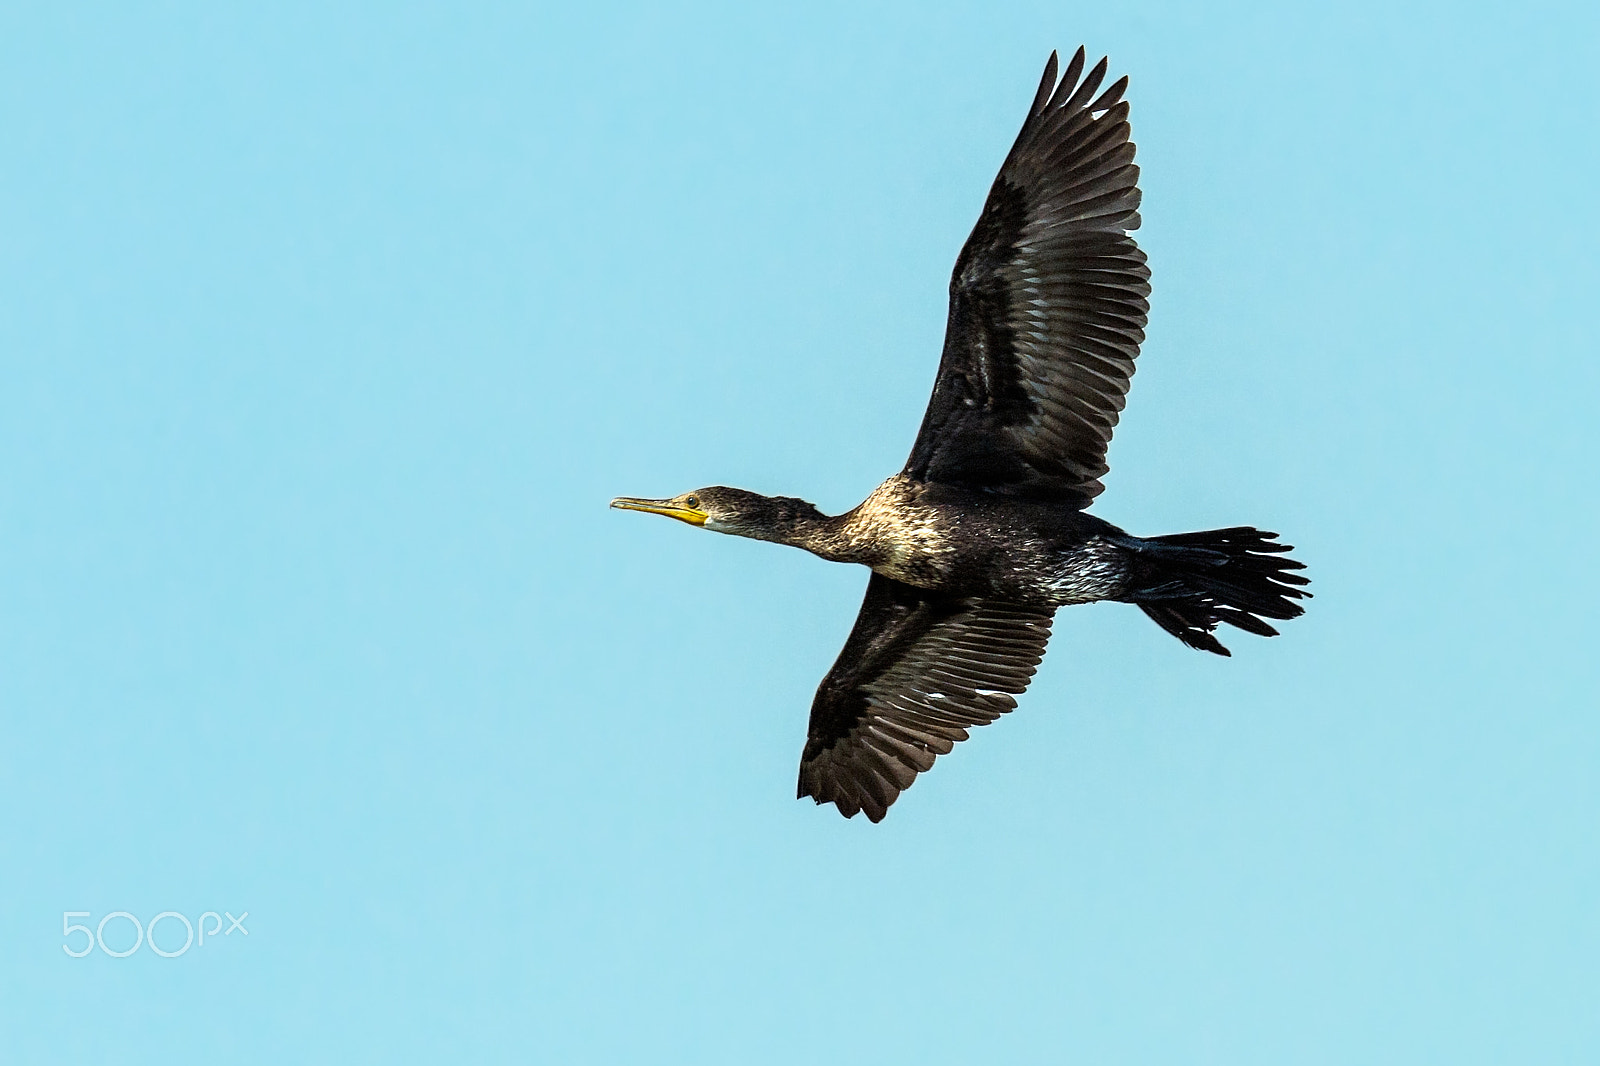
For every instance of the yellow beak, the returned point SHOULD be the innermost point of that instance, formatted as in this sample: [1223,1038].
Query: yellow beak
[671,508]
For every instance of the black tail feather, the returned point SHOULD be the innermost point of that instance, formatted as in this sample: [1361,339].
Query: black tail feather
[1190,582]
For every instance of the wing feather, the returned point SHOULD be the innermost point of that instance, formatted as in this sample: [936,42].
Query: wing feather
[1048,304]
[919,670]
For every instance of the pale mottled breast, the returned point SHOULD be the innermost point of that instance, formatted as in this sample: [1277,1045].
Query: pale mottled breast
[902,536]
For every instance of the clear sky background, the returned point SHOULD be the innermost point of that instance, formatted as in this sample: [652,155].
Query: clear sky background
[328,331]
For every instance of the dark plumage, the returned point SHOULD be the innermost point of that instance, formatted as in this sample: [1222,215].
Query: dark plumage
[983,535]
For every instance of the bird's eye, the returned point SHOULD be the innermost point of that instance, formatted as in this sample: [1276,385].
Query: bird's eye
[692,500]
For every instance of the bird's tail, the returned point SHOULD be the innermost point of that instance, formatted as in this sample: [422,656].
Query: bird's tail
[1189,582]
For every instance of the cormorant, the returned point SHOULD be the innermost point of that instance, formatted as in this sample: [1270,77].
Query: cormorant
[983,535]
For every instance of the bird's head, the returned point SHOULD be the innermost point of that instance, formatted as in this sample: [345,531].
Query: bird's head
[735,511]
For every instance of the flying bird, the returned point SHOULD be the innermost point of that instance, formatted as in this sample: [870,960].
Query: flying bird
[976,543]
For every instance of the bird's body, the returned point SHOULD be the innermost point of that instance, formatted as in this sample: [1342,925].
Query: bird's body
[984,534]
[960,541]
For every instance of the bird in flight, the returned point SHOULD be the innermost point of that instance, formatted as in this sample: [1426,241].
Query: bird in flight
[976,543]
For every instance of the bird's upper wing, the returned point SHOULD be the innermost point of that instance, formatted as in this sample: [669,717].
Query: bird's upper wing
[918,670]
[1047,306]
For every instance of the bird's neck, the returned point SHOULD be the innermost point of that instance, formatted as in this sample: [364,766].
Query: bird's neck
[824,535]
[870,533]
[800,525]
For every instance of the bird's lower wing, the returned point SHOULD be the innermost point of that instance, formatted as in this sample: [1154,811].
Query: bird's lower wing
[917,672]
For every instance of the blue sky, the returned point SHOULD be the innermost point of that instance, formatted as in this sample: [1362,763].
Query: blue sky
[327,333]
